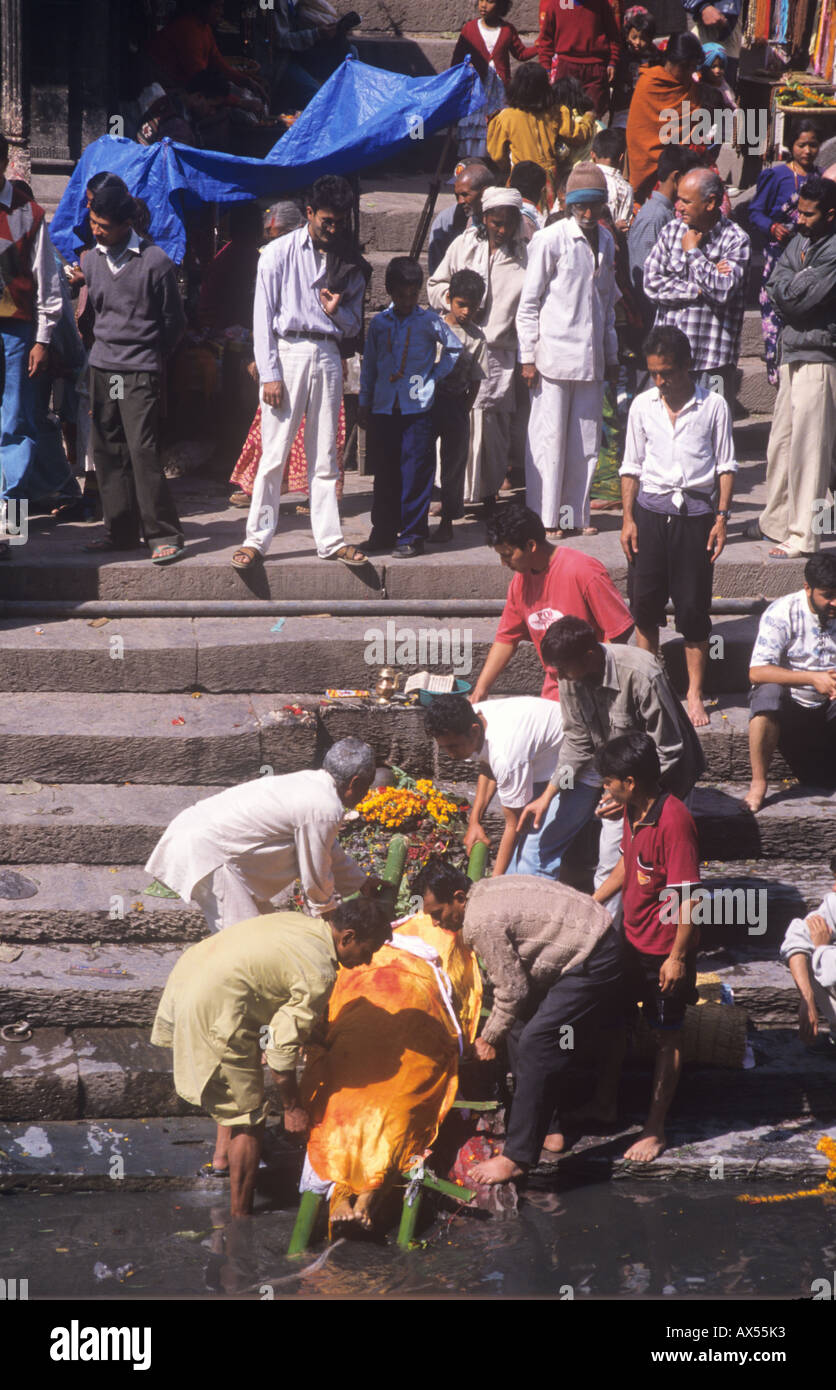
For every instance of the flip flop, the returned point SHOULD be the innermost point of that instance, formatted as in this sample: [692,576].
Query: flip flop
[778,553]
[158,558]
[208,1170]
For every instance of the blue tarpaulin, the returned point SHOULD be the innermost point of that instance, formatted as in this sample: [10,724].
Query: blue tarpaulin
[359,117]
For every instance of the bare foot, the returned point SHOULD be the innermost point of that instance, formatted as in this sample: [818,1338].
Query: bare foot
[754,798]
[343,1211]
[646,1148]
[362,1209]
[493,1170]
[697,712]
[554,1144]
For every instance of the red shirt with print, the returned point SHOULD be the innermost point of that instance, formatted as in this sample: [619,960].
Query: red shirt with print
[572,584]
[661,853]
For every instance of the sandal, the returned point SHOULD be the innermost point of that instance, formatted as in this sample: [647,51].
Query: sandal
[245,558]
[239,499]
[589,531]
[167,553]
[208,1170]
[778,553]
[350,555]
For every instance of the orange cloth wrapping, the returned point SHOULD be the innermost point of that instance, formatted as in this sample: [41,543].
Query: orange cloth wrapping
[387,1076]
[657,90]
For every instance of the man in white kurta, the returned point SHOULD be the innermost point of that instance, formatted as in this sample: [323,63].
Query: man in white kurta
[233,852]
[568,345]
[496,250]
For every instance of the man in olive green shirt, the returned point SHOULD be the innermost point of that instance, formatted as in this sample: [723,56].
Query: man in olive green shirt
[260,985]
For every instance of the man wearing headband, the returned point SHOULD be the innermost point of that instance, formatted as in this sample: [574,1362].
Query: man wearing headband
[566,327]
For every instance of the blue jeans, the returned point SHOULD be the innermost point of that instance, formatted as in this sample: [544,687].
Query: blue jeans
[32,459]
[540,852]
[404,467]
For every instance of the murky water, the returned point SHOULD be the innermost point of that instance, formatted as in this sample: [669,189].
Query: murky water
[601,1240]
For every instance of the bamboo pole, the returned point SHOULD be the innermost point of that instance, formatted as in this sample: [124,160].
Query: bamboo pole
[477,862]
[305,1221]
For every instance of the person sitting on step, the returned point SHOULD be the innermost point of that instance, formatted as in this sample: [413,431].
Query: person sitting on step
[809,949]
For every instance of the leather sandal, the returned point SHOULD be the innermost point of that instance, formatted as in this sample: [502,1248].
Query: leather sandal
[245,558]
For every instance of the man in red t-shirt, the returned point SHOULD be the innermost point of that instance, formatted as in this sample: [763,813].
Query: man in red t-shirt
[658,869]
[549,582]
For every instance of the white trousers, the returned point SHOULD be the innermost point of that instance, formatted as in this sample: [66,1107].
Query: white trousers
[564,437]
[313,383]
[224,899]
[799,456]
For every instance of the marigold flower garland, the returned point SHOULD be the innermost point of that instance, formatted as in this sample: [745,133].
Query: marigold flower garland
[827,1146]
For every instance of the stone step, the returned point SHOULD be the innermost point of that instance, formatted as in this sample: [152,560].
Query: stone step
[755,392]
[50,986]
[785,827]
[763,987]
[92,904]
[53,904]
[62,1074]
[225,655]
[751,340]
[225,739]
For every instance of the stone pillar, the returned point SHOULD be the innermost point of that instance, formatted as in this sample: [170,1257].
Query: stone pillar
[14,94]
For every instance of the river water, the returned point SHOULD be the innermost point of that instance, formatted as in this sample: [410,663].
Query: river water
[603,1240]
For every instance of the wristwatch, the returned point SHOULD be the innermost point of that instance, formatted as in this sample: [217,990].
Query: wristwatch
[722,513]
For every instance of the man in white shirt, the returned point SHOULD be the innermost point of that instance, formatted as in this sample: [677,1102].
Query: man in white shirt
[792,705]
[568,345]
[233,852]
[517,743]
[299,319]
[809,949]
[678,455]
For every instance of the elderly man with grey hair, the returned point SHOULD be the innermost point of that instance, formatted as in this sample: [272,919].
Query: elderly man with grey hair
[695,275]
[234,852]
[282,217]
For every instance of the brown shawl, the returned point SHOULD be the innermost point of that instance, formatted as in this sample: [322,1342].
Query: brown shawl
[657,90]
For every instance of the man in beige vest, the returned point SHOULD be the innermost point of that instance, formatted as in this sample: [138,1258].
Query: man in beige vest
[553,957]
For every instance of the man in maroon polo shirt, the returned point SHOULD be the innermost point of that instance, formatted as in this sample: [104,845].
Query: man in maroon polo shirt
[658,869]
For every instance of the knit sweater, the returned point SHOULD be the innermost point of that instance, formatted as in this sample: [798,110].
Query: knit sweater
[139,316]
[470,43]
[529,932]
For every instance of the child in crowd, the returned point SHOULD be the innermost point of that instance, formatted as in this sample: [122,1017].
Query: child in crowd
[455,395]
[487,41]
[397,386]
[637,51]
[529,179]
[536,127]
[608,150]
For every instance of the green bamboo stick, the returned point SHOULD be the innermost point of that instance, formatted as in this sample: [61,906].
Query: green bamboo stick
[393,872]
[305,1222]
[477,862]
[449,1189]
[409,1220]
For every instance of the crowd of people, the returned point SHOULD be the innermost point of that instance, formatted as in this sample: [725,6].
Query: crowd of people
[586,296]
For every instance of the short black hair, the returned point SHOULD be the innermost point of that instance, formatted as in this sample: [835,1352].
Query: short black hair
[630,755]
[449,714]
[610,143]
[819,190]
[667,341]
[114,204]
[403,273]
[567,91]
[568,639]
[141,218]
[502,7]
[801,127]
[639,19]
[370,921]
[529,179]
[514,525]
[441,878]
[333,193]
[676,159]
[467,285]
[685,48]
[104,179]
[529,89]
[820,570]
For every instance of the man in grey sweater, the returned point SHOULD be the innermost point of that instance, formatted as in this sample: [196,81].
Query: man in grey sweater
[802,286]
[554,959]
[139,320]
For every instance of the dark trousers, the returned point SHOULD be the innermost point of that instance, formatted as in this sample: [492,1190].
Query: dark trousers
[672,563]
[542,1049]
[404,464]
[451,424]
[807,736]
[125,442]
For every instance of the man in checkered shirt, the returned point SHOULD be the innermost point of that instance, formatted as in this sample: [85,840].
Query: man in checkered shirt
[696,277]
